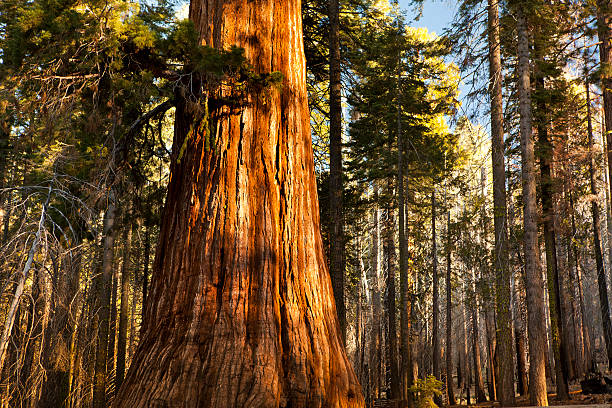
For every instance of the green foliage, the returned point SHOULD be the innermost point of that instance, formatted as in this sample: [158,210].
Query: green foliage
[425,391]
[425,94]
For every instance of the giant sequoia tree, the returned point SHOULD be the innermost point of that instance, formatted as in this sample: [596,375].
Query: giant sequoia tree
[241,310]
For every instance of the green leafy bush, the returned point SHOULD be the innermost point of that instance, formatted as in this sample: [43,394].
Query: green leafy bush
[425,390]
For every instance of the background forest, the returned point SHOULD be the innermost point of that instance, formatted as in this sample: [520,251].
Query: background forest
[468,236]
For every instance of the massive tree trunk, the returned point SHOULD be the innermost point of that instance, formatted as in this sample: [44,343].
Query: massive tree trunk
[336,239]
[241,310]
[450,391]
[533,275]
[500,258]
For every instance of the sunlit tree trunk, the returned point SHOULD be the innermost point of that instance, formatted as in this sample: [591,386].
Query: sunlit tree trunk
[241,311]
[533,276]
[500,256]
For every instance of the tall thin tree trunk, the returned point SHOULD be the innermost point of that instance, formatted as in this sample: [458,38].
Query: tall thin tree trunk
[463,352]
[601,273]
[533,276]
[376,307]
[111,364]
[519,324]
[491,351]
[500,257]
[608,202]
[31,371]
[137,253]
[103,294]
[488,299]
[450,391]
[436,296]
[126,272]
[336,250]
[545,155]
[145,271]
[588,353]
[405,350]
[393,379]
[241,311]
[581,365]
[478,380]
[521,355]
[604,31]
[57,356]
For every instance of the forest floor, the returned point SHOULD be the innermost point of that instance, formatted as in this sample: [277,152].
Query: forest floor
[578,399]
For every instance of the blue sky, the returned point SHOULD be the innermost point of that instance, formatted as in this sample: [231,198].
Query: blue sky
[437,14]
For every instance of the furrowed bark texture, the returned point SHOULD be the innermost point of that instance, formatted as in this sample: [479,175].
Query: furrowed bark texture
[241,310]
[533,276]
[500,262]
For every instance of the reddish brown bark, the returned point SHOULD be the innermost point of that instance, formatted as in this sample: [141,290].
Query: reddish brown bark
[533,277]
[241,310]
